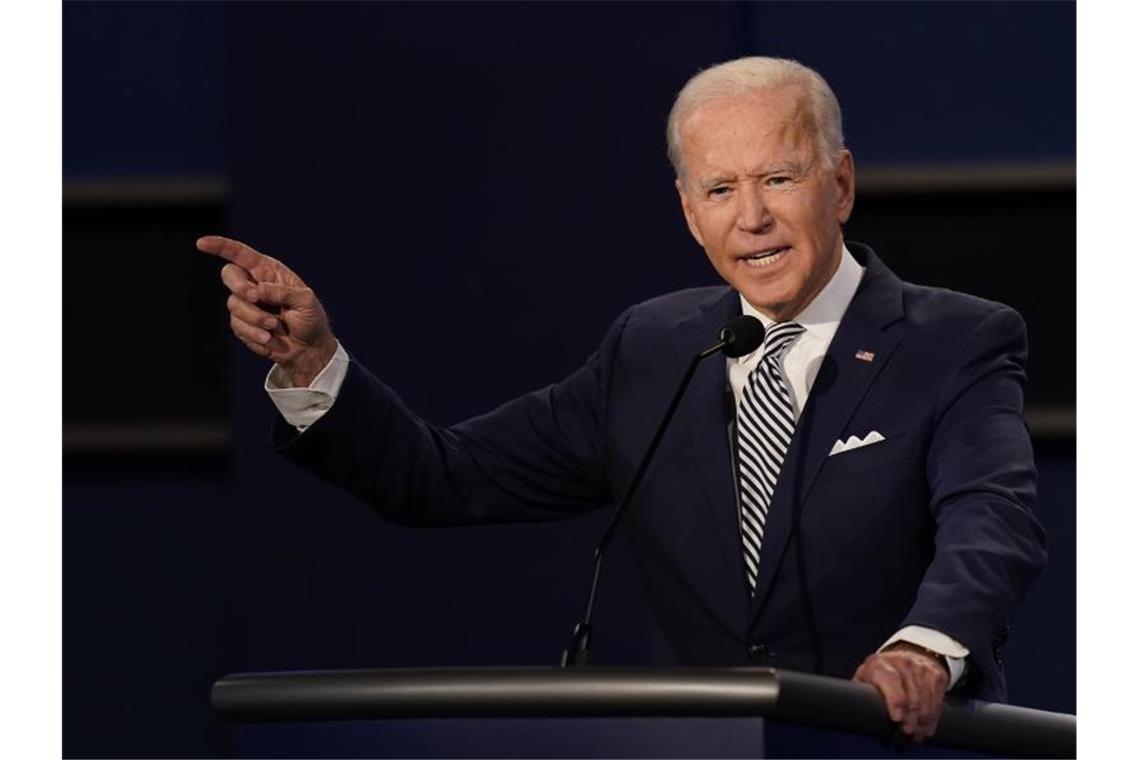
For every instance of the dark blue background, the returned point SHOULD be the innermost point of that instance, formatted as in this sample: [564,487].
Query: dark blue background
[475,190]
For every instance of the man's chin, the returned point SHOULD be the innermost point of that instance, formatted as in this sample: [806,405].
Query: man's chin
[770,302]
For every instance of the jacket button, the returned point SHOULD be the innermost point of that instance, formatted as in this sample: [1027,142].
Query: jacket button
[758,653]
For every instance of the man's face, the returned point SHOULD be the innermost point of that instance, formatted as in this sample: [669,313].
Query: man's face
[761,202]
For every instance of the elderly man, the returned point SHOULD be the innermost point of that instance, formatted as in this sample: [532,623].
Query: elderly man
[860,508]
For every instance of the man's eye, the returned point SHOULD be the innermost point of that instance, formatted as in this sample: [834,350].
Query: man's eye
[718,192]
[779,180]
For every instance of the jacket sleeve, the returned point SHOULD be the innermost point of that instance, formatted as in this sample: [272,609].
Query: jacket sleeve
[988,545]
[538,457]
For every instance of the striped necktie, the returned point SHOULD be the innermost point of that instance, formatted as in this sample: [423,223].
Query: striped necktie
[765,422]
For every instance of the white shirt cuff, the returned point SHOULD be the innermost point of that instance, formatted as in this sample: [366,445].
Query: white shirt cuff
[951,650]
[301,407]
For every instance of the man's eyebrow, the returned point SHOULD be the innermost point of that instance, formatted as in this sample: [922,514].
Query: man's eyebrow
[785,167]
[710,182]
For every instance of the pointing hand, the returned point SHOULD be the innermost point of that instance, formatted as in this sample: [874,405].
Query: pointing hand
[272,311]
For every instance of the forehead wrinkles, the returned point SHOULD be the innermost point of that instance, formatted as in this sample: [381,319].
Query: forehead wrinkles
[751,132]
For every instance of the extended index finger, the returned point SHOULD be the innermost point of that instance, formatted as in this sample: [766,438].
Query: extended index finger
[231,250]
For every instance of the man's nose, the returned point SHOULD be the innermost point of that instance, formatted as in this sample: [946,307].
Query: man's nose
[752,214]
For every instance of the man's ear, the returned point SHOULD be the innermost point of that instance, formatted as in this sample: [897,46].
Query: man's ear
[845,185]
[687,209]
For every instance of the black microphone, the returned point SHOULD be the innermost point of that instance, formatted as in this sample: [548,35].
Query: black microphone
[742,335]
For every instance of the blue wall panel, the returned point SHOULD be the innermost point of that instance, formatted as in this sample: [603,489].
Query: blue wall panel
[938,81]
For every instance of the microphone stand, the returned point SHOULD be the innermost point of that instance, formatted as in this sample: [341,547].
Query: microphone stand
[577,653]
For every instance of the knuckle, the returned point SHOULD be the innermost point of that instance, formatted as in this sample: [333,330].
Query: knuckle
[260,350]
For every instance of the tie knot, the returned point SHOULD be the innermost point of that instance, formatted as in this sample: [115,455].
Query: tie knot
[779,338]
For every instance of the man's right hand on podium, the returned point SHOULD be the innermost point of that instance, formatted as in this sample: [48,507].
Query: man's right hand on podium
[272,311]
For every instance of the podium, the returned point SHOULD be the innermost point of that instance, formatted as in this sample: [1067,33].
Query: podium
[522,693]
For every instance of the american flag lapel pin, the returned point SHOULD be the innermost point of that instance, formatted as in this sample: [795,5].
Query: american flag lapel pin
[865,356]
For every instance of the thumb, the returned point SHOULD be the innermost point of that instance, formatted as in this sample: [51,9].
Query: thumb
[275,294]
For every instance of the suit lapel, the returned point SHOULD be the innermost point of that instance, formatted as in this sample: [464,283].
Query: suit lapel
[706,413]
[840,386]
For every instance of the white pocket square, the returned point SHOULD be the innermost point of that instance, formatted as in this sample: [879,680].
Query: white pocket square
[855,442]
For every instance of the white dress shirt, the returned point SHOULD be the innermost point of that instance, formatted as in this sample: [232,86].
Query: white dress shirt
[301,407]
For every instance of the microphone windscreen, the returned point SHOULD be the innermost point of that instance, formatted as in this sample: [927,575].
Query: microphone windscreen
[741,336]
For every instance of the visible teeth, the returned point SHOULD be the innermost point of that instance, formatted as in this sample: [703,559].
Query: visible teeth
[768,260]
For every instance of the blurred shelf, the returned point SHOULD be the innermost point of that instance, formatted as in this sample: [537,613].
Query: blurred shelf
[145,191]
[926,178]
[147,437]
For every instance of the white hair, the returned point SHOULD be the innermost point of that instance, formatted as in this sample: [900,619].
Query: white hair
[758,73]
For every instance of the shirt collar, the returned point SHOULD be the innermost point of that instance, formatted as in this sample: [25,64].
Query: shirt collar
[820,318]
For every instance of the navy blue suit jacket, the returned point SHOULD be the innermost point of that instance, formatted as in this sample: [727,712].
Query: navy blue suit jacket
[932,526]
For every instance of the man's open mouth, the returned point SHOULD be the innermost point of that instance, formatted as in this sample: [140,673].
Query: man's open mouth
[766,257]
